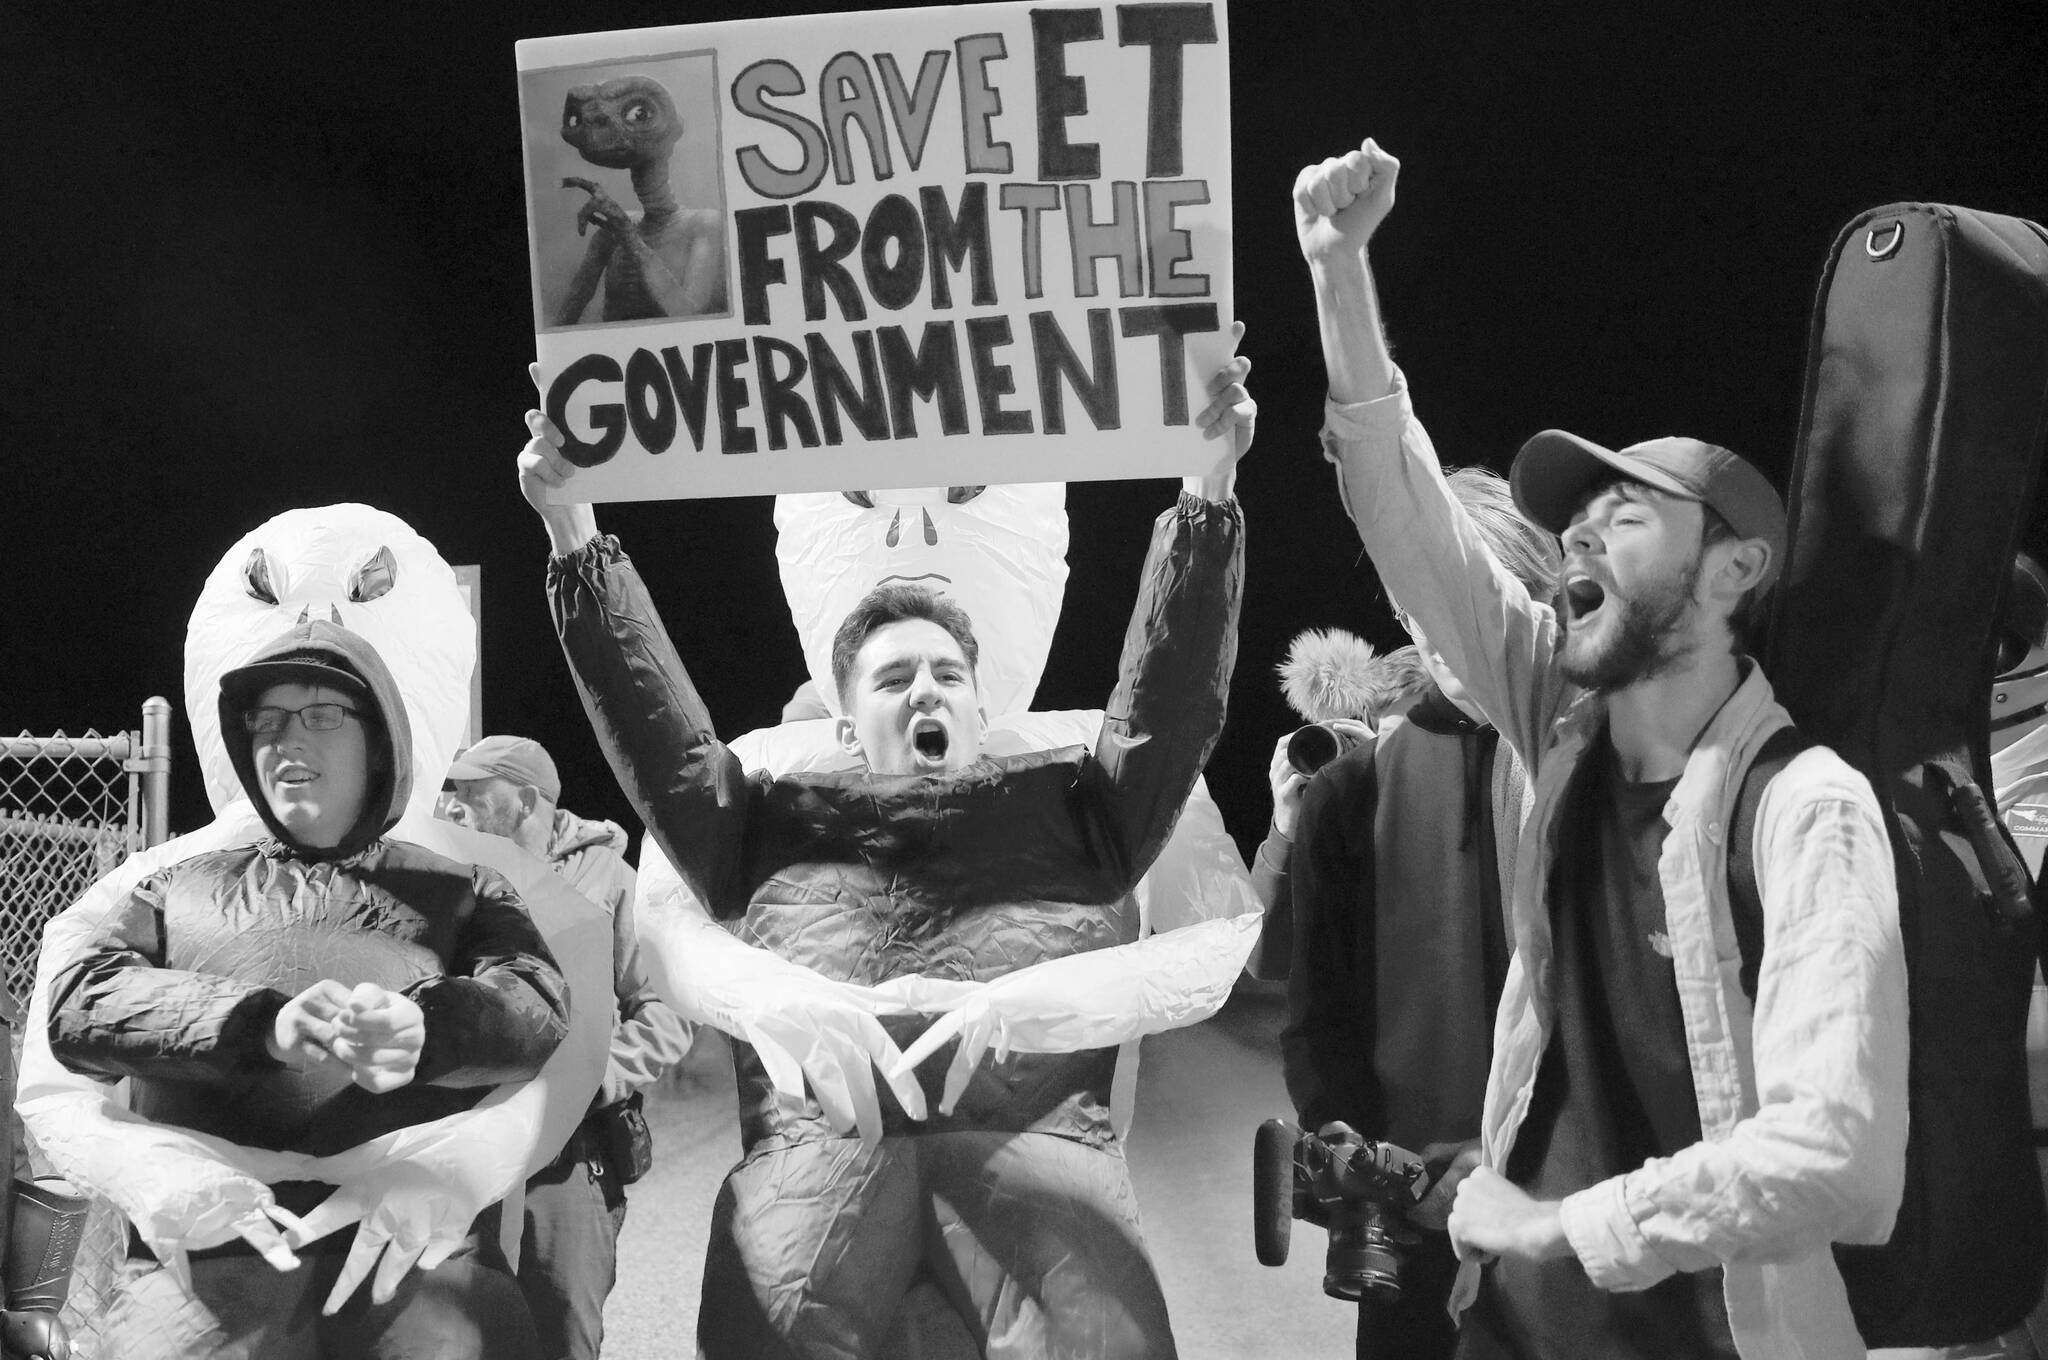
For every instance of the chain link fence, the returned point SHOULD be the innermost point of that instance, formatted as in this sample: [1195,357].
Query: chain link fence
[71,808]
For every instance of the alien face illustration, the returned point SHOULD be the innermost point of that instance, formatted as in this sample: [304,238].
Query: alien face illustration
[622,123]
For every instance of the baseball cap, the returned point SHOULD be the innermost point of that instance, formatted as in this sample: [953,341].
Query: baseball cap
[1555,472]
[243,684]
[519,759]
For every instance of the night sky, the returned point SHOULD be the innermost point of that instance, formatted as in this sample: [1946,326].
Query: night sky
[271,256]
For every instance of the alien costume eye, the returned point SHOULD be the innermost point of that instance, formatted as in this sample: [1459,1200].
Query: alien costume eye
[256,578]
[375,577]
[638,112]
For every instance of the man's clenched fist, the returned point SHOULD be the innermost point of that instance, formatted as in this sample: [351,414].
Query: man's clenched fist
[1339,203]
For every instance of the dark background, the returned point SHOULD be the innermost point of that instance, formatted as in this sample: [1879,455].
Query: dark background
[268,256]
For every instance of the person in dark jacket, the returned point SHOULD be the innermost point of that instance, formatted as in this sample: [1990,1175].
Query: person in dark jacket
[307,994]
[1012,1199]
[1402,852]
[576,1205]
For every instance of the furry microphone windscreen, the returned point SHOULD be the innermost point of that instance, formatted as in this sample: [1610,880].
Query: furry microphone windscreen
[1328,674]
[1334,674]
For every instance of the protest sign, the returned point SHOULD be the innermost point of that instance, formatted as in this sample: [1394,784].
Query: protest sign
[951,246]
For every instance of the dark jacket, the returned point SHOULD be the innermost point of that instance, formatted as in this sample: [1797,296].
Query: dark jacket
[1400,949]
[186,975]
[969,875]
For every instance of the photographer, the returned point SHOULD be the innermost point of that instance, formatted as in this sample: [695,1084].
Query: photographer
[1402,849]
[1663,1169]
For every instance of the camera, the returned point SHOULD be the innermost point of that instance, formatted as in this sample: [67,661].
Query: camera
[1316,745]
[1353,1186]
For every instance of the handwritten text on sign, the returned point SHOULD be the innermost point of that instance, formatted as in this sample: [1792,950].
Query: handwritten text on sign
[955,246]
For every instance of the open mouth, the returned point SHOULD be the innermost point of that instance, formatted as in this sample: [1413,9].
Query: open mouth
[1583,596]
[929,740]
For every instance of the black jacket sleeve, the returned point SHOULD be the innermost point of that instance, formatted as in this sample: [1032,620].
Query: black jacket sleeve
[1326,1046]
[118,1012]
[686,786]
[503,1007]
[1166,713]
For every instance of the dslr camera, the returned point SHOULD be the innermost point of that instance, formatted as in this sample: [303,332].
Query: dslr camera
[1357,1188]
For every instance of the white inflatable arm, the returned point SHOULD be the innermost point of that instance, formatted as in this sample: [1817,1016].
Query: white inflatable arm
[181,1190]
[1082,1001]
[805,1026]
[416,1190]
[1196,900]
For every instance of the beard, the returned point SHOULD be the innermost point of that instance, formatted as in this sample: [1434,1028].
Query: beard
[1644,639]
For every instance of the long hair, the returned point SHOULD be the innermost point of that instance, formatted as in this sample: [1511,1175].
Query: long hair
[1529,552]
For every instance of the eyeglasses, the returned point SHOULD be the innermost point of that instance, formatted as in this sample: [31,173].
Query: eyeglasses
[268,720]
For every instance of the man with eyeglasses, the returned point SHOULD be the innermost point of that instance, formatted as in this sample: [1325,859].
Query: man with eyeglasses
[310,993]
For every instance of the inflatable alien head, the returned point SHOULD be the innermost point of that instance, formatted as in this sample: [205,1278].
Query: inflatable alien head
[1000,552]
[364,569]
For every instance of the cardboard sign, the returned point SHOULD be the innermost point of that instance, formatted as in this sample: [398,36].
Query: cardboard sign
[952,246]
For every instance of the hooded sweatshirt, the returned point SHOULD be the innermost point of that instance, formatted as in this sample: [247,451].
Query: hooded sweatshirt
[185,978]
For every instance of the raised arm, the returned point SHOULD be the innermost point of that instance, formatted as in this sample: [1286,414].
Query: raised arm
[655,731]
[1166,713]
[1497,640]
[1337,207]
[1274,952]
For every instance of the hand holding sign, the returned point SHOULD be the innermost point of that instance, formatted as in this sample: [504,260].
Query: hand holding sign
[966,245]
[1229,416]
[542,469]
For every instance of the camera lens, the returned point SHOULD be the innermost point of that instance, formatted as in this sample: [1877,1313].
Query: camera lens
[1364,1258]
[1312,747]
[1352,1272]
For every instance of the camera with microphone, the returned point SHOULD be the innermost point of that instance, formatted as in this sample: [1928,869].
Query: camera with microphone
[1359,1189]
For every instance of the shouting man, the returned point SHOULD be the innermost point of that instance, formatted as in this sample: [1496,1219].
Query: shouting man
[1666,1154]
[939,866]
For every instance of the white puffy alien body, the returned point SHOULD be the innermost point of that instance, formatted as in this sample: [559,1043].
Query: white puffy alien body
[1000,552]
[420,1187]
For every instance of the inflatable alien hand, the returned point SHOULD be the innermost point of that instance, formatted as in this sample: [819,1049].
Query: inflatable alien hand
[806,1027]
[410,1211]
[1081,1001]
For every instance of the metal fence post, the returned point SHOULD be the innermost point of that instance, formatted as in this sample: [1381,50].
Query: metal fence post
[153,763]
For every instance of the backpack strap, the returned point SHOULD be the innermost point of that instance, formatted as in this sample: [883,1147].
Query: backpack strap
[1745,902]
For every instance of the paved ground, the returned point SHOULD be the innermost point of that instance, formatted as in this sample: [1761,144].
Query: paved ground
[1202,1091]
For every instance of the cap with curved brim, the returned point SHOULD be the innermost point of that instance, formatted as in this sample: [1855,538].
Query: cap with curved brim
[245,684]
[519,759]
[1556,472]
